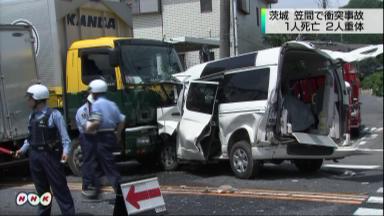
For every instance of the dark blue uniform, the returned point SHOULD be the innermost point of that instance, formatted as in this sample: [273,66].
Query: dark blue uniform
[89,165]
[109,116]
[45,150]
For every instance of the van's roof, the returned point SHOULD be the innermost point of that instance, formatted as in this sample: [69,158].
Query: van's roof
[270,57]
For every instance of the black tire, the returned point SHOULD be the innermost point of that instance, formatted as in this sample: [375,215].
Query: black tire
[355,132]
[75,158]
[277,161]
[168,156]
[241,161]
[147,161]
[308,165]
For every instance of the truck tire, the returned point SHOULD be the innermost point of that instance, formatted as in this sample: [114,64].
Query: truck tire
[147,161]
[241,161]
[168,155]
[75,158]
[308,165]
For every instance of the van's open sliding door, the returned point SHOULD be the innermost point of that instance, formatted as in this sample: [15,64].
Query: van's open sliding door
[195,124]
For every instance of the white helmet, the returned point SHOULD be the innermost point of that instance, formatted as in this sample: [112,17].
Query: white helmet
[98,86]
[38,92]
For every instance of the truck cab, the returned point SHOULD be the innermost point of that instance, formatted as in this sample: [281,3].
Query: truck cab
[139,77]
[284,103]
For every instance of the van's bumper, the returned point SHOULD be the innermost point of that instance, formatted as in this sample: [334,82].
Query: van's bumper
[281,152]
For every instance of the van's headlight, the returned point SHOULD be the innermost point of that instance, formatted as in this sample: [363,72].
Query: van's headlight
[144,140]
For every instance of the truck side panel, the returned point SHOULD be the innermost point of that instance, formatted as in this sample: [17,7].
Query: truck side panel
[18,69]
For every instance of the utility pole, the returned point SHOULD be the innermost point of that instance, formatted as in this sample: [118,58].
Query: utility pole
[234,22]
[225,16]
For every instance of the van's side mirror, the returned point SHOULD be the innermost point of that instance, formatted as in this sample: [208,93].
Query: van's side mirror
[114,58]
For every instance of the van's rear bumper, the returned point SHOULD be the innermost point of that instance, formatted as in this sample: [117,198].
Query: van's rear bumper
[282,152]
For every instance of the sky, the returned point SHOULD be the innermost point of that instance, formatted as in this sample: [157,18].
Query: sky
[307,3]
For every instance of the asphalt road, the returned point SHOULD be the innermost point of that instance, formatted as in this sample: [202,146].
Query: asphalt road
[351,186]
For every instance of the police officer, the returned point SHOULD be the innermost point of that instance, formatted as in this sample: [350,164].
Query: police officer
[88,168]
[108,121]
[46,128]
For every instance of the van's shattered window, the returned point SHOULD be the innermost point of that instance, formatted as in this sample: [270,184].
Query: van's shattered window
[245,86]
[147,64]
[201,97]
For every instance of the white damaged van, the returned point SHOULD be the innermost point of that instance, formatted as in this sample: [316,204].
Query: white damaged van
[285,103]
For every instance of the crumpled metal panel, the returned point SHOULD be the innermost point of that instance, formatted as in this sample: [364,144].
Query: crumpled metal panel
[233,119]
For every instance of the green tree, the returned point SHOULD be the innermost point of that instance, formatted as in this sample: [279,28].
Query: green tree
[374,82]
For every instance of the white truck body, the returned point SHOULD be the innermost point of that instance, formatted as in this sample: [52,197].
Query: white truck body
[17,70]
[57,23]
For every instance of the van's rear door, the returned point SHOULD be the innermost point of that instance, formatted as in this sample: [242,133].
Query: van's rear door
[18,70]
[195,124]
[314,139]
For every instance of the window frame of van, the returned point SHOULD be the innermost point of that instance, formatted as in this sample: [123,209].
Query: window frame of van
[206,6]
[245,70]
[188,98]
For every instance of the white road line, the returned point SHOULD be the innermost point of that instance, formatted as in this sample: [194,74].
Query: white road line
[373,136]
[368,211]
[374,199]
[362,142]
[350,166]
[380,190]
[369,150]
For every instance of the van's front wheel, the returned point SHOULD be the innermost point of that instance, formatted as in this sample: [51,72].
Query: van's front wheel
[168,156]
[308,165]
[241,160]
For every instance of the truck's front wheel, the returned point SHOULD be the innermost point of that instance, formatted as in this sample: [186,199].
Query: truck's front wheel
[75,158]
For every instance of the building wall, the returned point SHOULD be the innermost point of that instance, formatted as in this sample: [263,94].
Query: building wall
[180,18]
[249,33]
[148,26]
[183,18]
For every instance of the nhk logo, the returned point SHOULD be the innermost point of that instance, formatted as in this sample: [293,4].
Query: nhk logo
[33,199]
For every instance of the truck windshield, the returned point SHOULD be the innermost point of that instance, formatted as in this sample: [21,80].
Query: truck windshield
[144,64]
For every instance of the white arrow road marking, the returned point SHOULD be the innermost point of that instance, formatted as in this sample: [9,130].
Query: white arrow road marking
[373,129]
[380,190]
[368,211]
[374,199]
[362,142]
[373,136]
[350,166]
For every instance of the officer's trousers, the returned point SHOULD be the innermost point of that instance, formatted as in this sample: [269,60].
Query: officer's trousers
[47,172]
[106,144]
[89,167]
